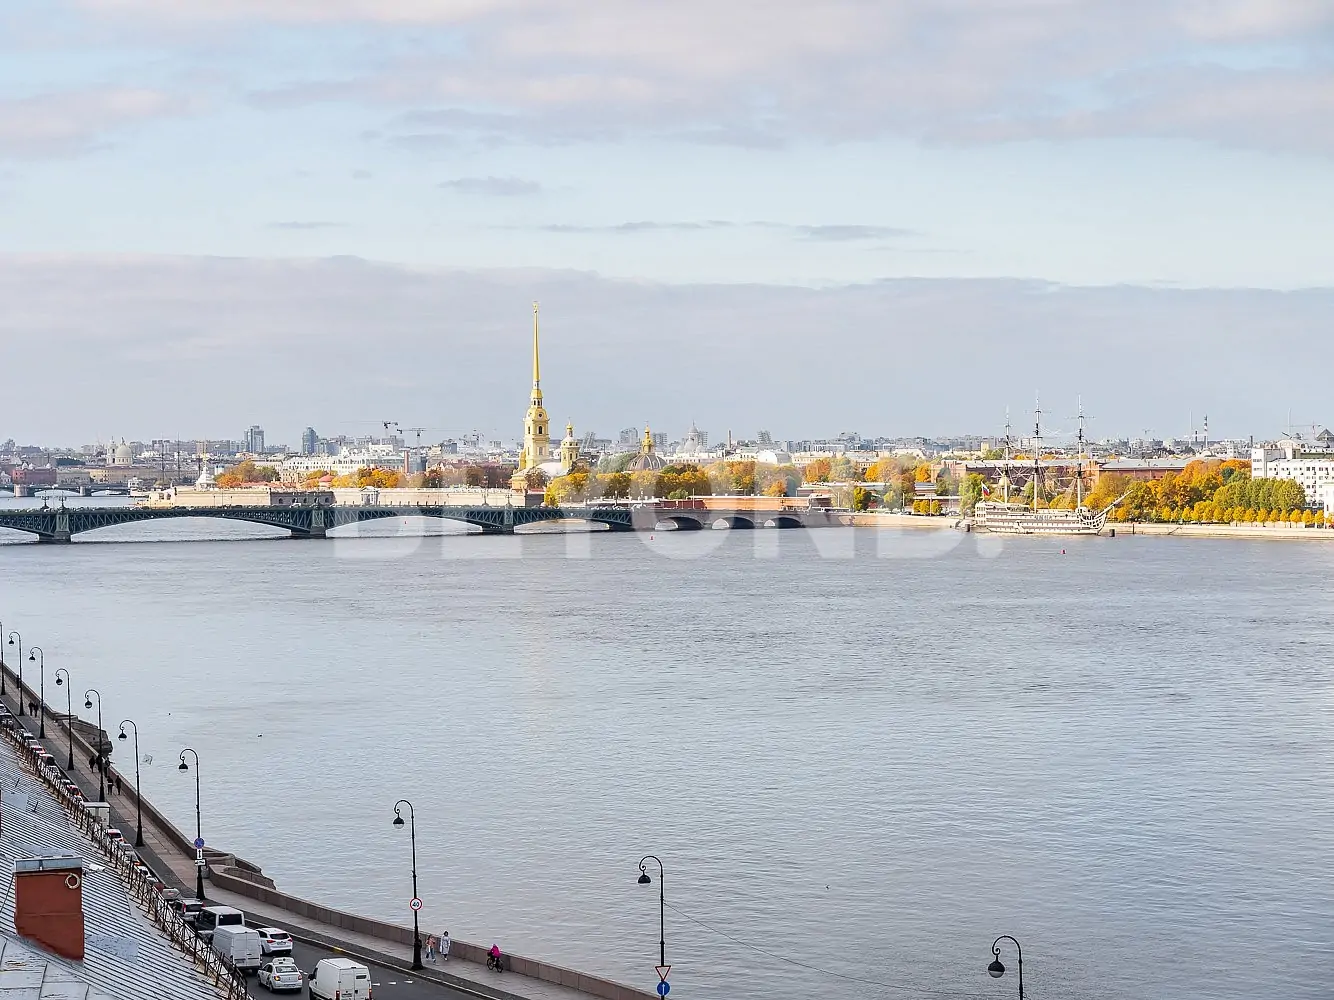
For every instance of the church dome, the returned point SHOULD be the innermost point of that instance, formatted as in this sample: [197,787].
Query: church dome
[647,460]
[124,454]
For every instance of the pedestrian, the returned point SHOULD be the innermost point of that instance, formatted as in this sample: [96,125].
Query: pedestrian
[444,946]
[430,948]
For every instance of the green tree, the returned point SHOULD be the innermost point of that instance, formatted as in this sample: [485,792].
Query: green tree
[970,492]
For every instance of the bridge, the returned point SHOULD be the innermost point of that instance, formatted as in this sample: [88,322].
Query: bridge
[61,524]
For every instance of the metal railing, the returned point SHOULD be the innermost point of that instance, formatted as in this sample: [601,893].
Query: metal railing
[138,878]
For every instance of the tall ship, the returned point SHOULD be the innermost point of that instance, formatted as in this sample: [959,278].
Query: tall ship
[1031,518]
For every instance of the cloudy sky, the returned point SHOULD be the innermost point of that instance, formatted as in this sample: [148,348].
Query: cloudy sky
[224,207]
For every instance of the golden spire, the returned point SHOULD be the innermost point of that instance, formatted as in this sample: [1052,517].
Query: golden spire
[537,371]
[646,446]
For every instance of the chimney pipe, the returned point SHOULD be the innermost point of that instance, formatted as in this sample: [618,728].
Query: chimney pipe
[48,903]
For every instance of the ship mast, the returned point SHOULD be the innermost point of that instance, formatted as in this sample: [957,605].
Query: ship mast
[1037,449]
[1005,473]
[1079,460]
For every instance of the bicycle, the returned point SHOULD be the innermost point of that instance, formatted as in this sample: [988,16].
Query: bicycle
[495,962]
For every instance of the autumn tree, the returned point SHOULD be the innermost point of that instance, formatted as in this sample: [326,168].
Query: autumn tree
[817,471]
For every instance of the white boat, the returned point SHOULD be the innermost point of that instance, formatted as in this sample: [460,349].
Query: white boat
[1004,517]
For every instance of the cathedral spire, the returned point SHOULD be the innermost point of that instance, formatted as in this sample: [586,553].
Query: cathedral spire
[537,371]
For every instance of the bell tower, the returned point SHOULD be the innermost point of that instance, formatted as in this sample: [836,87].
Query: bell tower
[536,427]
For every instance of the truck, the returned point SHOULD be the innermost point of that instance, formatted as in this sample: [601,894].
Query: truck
[240,945]
[340,979]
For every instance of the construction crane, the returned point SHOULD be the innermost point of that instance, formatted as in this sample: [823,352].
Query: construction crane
[417,431]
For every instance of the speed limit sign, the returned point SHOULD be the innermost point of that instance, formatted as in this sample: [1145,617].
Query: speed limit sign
[416,903]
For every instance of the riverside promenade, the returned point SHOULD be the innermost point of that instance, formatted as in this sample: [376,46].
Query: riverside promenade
[232,881]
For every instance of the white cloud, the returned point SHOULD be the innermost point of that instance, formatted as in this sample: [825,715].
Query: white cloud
[221,343]
[75,121]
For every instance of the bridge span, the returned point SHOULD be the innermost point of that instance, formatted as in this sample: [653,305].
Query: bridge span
[61,524]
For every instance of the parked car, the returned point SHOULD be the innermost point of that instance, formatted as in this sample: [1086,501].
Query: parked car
[240,944]
[212,917]
[274,941]
[279,974]
[340,979]
[189,909]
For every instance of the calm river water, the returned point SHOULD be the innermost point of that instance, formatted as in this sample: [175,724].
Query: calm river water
[856,751]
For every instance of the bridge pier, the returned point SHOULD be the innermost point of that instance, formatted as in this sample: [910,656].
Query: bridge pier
[59,538]
[312,533]
[85,491]
[22,490]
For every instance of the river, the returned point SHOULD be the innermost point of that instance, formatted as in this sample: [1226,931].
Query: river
[860,754]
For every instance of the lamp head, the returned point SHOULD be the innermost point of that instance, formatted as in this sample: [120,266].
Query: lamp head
[644,879]
[995,970]
[398,820]
[122,735]
[87,703]
[59,680]
[11,640]
[32,656]
[184,766]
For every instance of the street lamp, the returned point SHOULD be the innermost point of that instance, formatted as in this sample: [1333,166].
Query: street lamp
[12,637]
[69,712]
[199,830]
[416,931]
[662,902]
[2,661]
[138,794]
[36,653]
[101,770]
[995,970]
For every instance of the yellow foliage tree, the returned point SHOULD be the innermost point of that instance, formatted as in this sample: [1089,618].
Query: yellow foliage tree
[816,471]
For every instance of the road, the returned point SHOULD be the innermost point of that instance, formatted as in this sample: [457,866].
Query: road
[387,984]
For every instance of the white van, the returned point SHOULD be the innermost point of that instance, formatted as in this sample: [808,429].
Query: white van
[340,979]
[212,917]
[240,944]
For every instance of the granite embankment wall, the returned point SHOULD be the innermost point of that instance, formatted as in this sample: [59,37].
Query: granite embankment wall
[246,879]
[876,519]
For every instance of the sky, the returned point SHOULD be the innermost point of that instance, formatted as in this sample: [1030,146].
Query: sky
[890,216]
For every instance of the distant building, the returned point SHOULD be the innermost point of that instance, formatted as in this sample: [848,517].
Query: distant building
[1315,474]
[1143,468]
[310,441]
[254,440]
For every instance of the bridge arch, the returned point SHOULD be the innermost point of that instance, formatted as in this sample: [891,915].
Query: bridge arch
[785,521]
[735,521]
[681,522]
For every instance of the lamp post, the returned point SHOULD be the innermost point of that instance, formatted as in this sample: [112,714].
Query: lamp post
[2,661]
[995,970]
[138,793]
[69,711]
[412,826]
[662,902]
[37,653]
[12,637]
[199,830]
[101,771]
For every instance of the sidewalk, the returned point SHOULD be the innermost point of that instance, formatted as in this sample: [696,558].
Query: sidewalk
[177,869]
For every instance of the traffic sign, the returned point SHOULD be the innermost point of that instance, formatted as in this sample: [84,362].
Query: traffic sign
[662,971]
[664,988]
[199,862]
[199,842]
[416,903]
